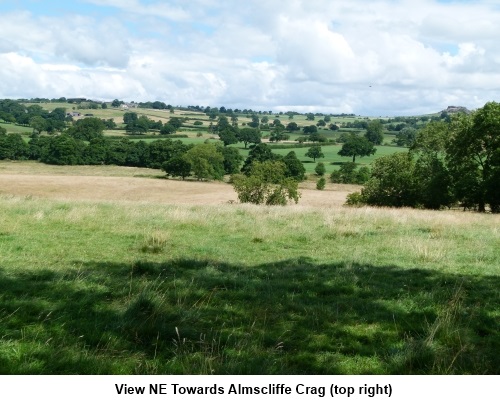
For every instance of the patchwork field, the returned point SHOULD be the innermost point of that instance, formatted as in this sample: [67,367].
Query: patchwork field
[113,270]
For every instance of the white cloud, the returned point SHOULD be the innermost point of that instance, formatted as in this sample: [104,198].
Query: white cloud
[319,55]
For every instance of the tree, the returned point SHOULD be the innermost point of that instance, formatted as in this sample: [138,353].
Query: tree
[292,126]
[129,117]
[320,169]
[249,135]
[317,137]
[140,126]
[206,161]
[266,184]
[320,184]
[38,124]
[109,123]
[176,122]
[167,129]
[406,137]
[294,167]
[228,136]
[255,121]
[310,117]
[232,159]
[473,157]
[259,153]
[375,132]
[430,167]
[310,129]
[116,103]
[392,182]
[357,146]
[161,151]
[278,133]
[12,146]
[87,129]
[63,150]
[315,152]
[96,152]
[178,166]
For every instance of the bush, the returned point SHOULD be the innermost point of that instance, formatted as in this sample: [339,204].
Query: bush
[320,169]
[266,184]
[355,199]
[320,185]
[347,174]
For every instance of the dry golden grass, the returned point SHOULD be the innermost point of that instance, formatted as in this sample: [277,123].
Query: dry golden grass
[113,183]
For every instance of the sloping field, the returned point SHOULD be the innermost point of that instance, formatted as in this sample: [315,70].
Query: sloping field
[106,188]
[105,273]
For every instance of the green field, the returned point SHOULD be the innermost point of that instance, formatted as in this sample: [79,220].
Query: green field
[138,288]
[16,129]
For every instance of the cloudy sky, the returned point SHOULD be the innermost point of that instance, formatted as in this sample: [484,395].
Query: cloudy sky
[368,57]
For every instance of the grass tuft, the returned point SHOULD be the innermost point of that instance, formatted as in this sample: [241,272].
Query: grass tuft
[155,242]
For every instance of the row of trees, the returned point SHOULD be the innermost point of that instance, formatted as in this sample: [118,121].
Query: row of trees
[34,115]
[448,163]
[67,150]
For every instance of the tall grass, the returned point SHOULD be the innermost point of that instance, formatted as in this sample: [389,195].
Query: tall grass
[146,288]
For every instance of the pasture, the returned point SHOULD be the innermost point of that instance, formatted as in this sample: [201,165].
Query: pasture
[108,270]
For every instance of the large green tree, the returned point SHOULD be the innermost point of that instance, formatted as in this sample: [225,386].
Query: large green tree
[473,157]
[12,146]
[232,159]
[294,167]
[206,161]
[259,153]
[315,152]
[178,166]
[431,172]
[392,182]
[87,129]
[355,145]
[249,135]
[375,132]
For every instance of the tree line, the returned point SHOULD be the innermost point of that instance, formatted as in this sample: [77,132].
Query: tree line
[450,162]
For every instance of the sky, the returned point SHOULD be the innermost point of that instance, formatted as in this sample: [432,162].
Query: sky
[366,57]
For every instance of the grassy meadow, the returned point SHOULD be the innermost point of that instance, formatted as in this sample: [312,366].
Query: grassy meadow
[145,288]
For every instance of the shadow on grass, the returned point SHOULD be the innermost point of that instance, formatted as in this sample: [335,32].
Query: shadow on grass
[289,317]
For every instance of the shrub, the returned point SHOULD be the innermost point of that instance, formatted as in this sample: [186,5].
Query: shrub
[355,199]
[266,184]
[320,184]
[320,169]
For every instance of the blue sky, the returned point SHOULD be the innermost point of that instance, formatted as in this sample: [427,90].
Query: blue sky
[383,57]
